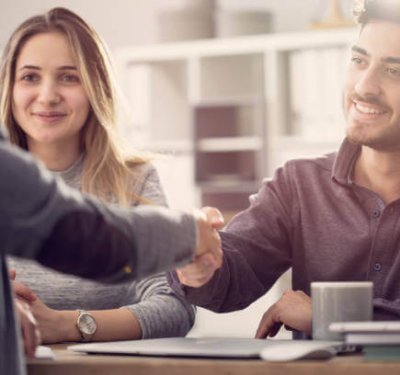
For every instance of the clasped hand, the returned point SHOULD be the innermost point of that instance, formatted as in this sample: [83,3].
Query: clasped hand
[208,256]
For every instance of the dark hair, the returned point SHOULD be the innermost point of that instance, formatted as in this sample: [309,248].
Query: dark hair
[366,10]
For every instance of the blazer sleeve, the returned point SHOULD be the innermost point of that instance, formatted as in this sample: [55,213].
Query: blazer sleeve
[41,218]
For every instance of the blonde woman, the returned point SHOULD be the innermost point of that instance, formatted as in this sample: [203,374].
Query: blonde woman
[58,101]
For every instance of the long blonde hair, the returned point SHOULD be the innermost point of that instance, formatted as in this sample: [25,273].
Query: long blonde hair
[105,168]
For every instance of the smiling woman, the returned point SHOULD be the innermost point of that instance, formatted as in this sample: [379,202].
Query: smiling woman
[49,103]
[58,102]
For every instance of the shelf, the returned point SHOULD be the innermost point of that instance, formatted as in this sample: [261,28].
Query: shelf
[168,146]
[227,101]
[225,144]
[236,46]
[298,142]
[231,201]
[233,183]
[226,121]
[237,107]
[226,166]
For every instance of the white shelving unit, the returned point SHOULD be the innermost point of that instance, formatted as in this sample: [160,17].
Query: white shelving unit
[230,111]
[257,99]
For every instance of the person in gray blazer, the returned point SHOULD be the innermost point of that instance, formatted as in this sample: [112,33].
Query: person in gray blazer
[42,219]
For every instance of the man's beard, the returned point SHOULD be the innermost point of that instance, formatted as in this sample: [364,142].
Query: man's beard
[360,134]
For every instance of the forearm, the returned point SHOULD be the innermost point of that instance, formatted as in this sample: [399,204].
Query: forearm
[256,251]
[233,287]
[164,316]
[159,311]
[115,324]
[43,219]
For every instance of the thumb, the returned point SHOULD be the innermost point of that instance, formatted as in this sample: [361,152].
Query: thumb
[12,274]
[214,217]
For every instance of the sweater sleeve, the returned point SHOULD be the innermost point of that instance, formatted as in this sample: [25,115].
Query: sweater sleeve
[160,312]
[385,309]
[256,249]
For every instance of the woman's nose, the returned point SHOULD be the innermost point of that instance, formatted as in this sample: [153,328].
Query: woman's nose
[49,93]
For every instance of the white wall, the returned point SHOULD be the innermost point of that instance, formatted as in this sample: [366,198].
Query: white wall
[120,22]
[133,22]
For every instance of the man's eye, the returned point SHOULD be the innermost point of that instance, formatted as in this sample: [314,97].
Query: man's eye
[393,72]
[356,60]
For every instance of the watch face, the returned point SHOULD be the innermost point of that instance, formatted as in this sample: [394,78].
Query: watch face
[87,324]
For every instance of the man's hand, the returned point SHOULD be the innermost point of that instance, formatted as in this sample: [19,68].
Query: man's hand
[292,310]
[208,257]
[29,329]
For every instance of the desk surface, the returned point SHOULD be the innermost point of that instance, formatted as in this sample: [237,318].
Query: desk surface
[70,363]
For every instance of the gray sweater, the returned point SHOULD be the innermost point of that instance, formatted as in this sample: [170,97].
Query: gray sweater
[159,311]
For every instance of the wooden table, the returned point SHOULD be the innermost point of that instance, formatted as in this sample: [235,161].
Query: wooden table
[70,363]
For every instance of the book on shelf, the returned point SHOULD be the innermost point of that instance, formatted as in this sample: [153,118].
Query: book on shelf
[372,338]
[387,353]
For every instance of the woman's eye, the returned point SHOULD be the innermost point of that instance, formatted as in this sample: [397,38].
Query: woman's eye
[30,77]
[70,78]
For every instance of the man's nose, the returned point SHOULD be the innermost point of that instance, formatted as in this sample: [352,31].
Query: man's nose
[369,83]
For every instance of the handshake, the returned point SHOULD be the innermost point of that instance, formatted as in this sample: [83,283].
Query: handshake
[208,255]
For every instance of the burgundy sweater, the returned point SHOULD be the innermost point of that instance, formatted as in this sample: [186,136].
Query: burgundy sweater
[312,217]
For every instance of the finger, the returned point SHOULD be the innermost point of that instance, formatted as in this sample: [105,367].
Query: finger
[22,291]
[289,328]
[195,283]
[194,276]
[194,280]
[214,217]
[201,264]
[12,274]
[214,249]
[275,329]
[266,324]
[30,332]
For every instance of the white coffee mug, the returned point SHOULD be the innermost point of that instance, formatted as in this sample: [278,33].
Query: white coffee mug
[339,302]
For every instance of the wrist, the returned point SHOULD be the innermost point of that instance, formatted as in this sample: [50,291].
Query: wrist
[68,328]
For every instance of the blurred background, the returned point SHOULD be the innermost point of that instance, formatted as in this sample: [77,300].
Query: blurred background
[224,92]
[133,22]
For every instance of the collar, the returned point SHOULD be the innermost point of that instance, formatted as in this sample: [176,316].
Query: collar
[343,166]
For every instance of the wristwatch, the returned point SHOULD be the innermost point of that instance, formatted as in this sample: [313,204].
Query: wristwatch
[86,325]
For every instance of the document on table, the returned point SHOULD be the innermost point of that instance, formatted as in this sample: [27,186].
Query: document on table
[44,352]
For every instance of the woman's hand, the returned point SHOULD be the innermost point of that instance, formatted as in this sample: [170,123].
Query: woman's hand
[48,321]
[21,290]
[29,328]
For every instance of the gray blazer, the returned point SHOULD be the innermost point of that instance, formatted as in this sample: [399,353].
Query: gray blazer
[42,219]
